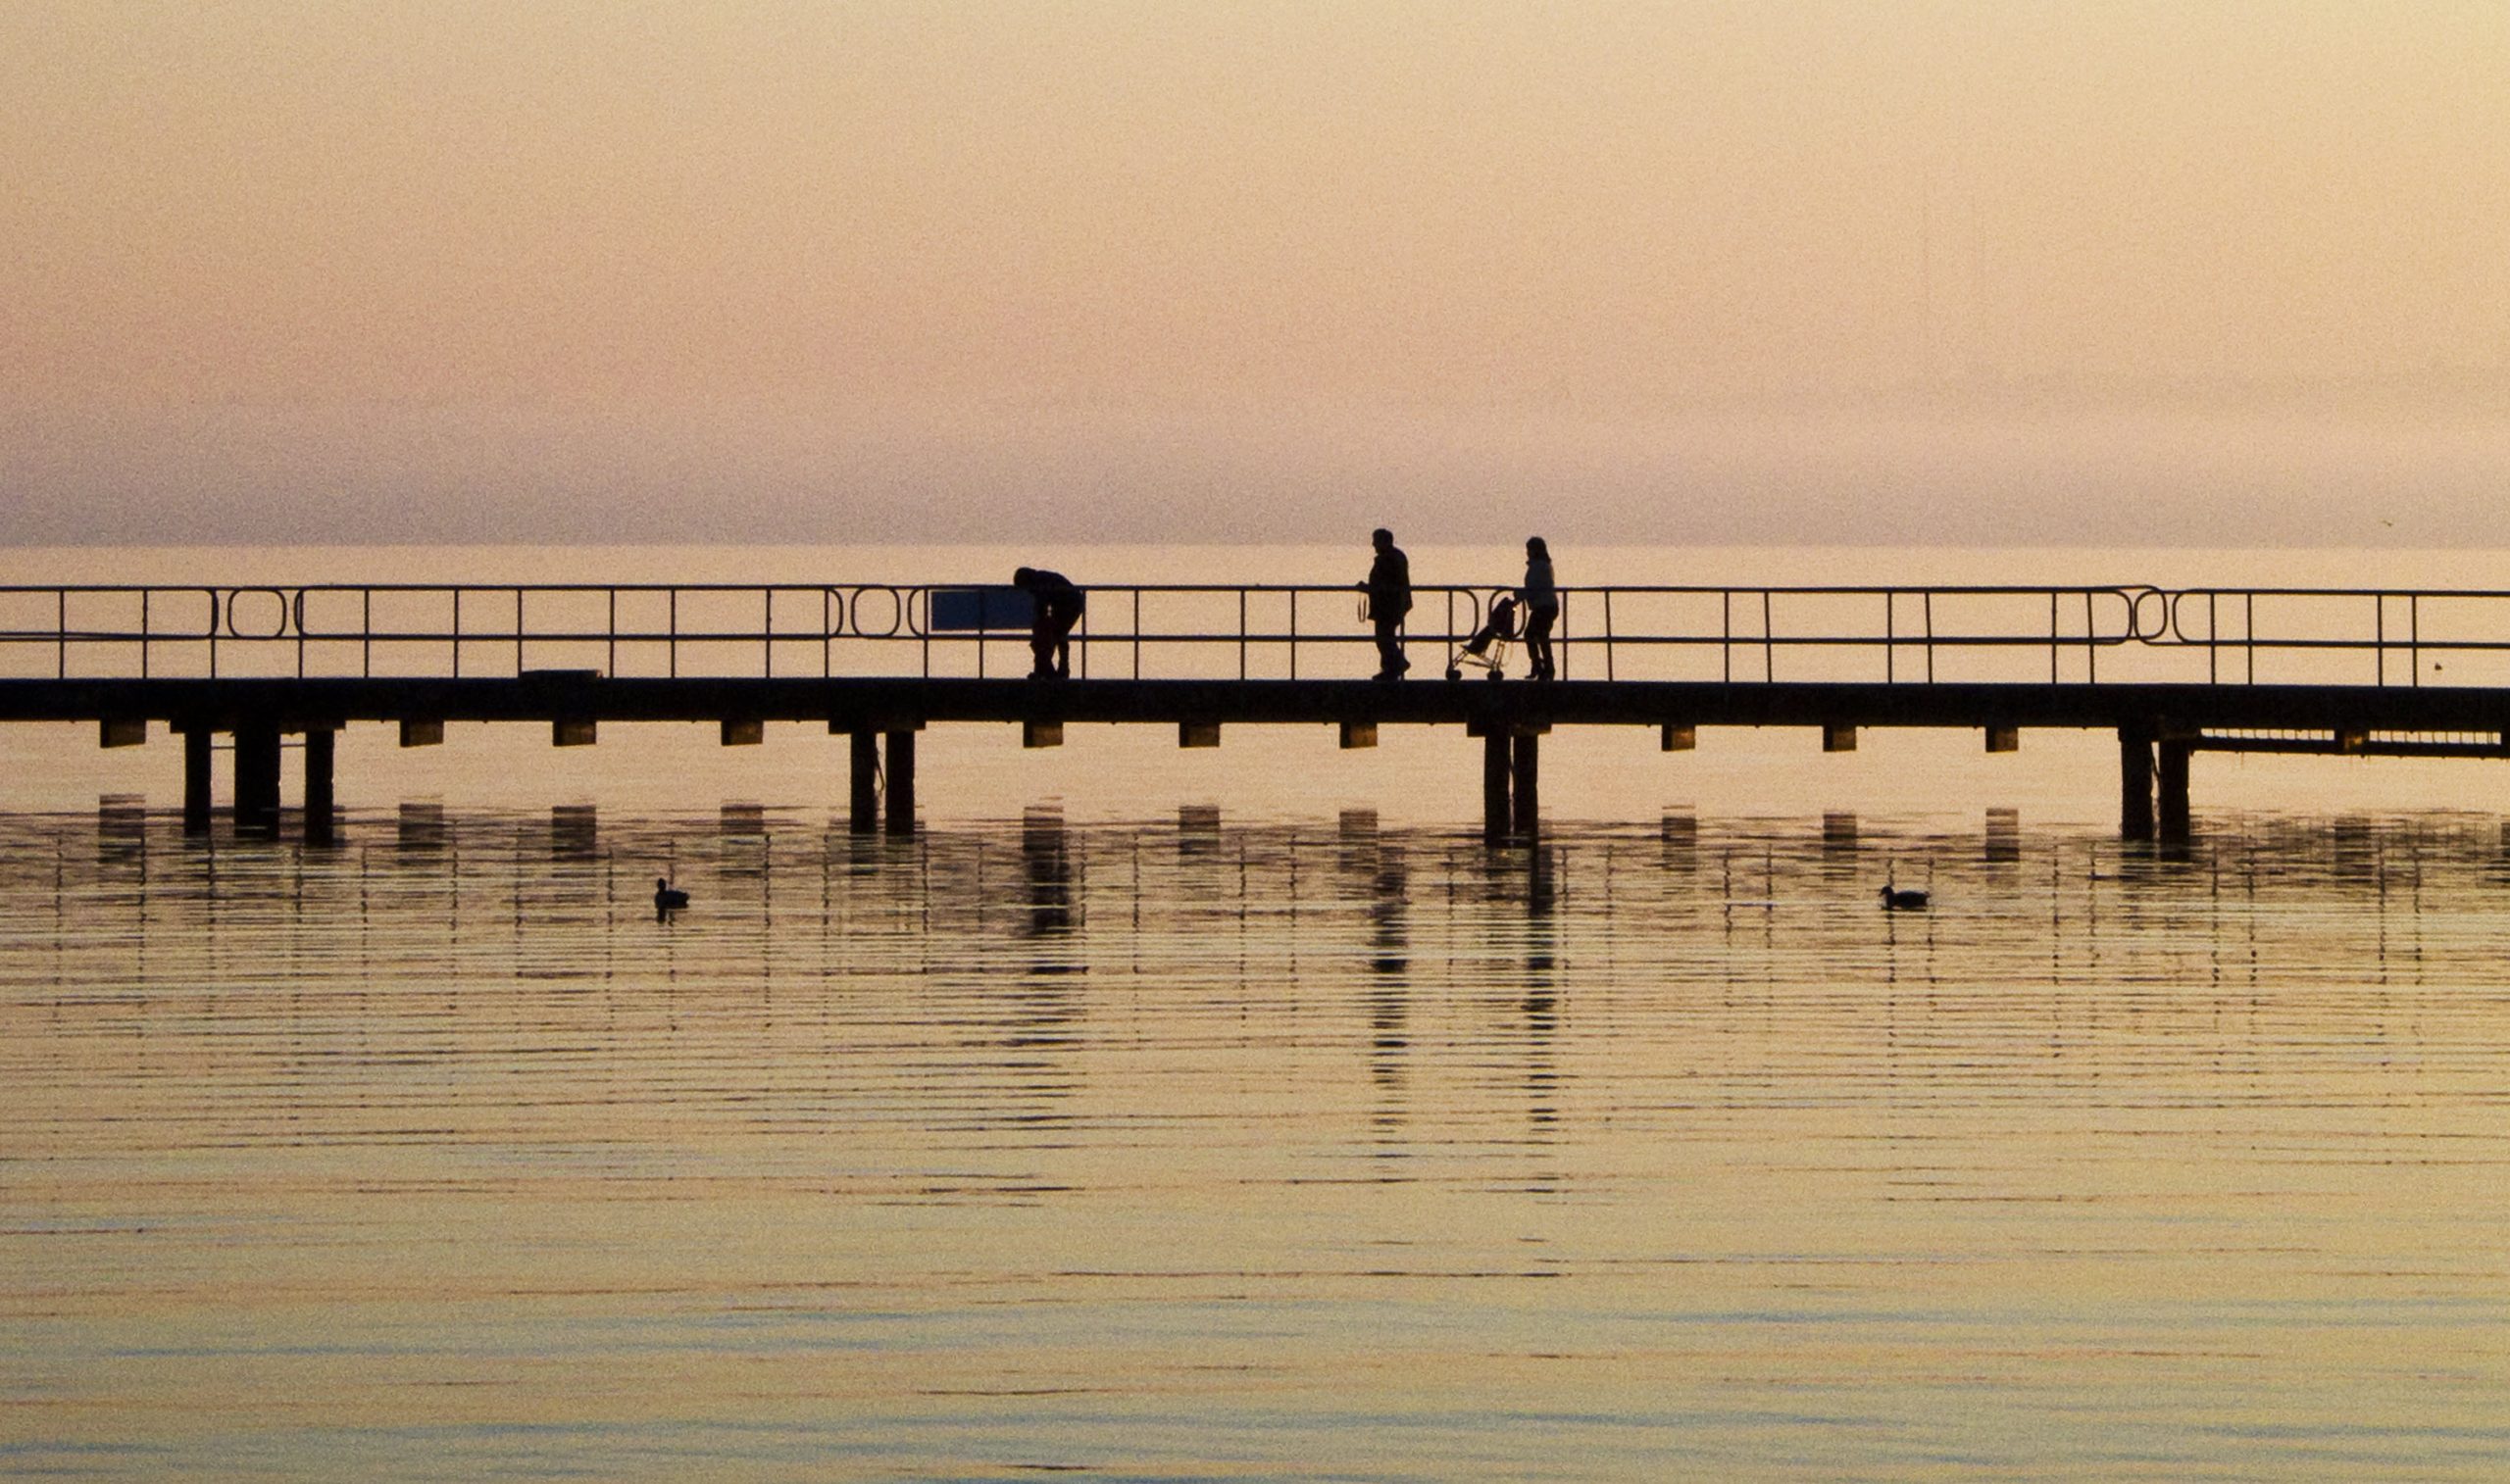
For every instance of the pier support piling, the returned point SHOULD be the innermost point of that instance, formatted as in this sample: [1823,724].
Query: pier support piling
[1527,776]
[321,822]
[901,771]
[1494,786]
[2134,784]
[196,779]
[863,805]
[257,778]
[2173,779]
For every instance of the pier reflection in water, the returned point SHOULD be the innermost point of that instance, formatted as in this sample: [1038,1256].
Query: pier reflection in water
[1200,1147]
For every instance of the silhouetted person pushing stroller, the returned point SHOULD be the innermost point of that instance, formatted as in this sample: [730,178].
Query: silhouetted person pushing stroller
[1390,591]
[1542,608]
[1055,606]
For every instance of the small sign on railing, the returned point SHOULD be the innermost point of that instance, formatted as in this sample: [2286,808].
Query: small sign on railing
[966,609]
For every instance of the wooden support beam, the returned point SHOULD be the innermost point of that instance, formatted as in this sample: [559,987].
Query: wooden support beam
[1678,738]
[123,731]
[902,773]
[196,779]
[1198,734]
[2004,739]
[1495,750]
[863,799]
[743,731]
[1838,739]
[321,816]
[1525,774]
[1358,734]
[2134,784]
[1041,734]
[576,732]
[2172,777]
[421,732]
[255,758]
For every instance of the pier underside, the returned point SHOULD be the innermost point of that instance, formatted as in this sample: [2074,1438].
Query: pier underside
[2159,728]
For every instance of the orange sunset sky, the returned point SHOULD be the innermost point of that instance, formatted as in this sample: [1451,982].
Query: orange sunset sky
[2016,273]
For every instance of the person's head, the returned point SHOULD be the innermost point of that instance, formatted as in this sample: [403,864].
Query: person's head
[1024,576]
[1381,538]
[1536,549]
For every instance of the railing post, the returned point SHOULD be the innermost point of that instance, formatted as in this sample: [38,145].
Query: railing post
[1928,608]
[1611,672]
[1293,633]
[2052,636]
[143,633]
[1891,650]
[519,666]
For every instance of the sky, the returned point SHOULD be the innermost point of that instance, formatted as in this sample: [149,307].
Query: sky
[2016,273]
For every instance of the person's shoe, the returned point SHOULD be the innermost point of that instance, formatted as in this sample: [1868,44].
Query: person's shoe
[1041,675]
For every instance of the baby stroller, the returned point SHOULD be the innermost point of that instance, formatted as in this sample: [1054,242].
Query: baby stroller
[1487,649]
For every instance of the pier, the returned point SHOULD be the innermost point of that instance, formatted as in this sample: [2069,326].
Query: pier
[2172,673]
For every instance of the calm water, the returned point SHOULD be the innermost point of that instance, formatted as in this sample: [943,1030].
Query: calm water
[1190,1146]
[1216,1114]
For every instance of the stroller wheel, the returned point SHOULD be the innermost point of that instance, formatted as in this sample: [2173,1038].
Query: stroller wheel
[1454,673]
[1496,673]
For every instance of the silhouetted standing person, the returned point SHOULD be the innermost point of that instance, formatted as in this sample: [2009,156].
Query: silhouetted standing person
[1055,606]
[1541,597]
[1390,588]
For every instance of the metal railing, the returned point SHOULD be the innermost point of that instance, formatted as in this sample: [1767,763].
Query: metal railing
[1733,635]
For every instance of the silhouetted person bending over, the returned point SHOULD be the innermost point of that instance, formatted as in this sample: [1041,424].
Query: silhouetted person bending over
[1542,607]
[1056,607]
[1389,589]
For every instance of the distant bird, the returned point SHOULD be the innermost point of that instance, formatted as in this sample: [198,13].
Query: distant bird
[668,896]
[1903,898]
